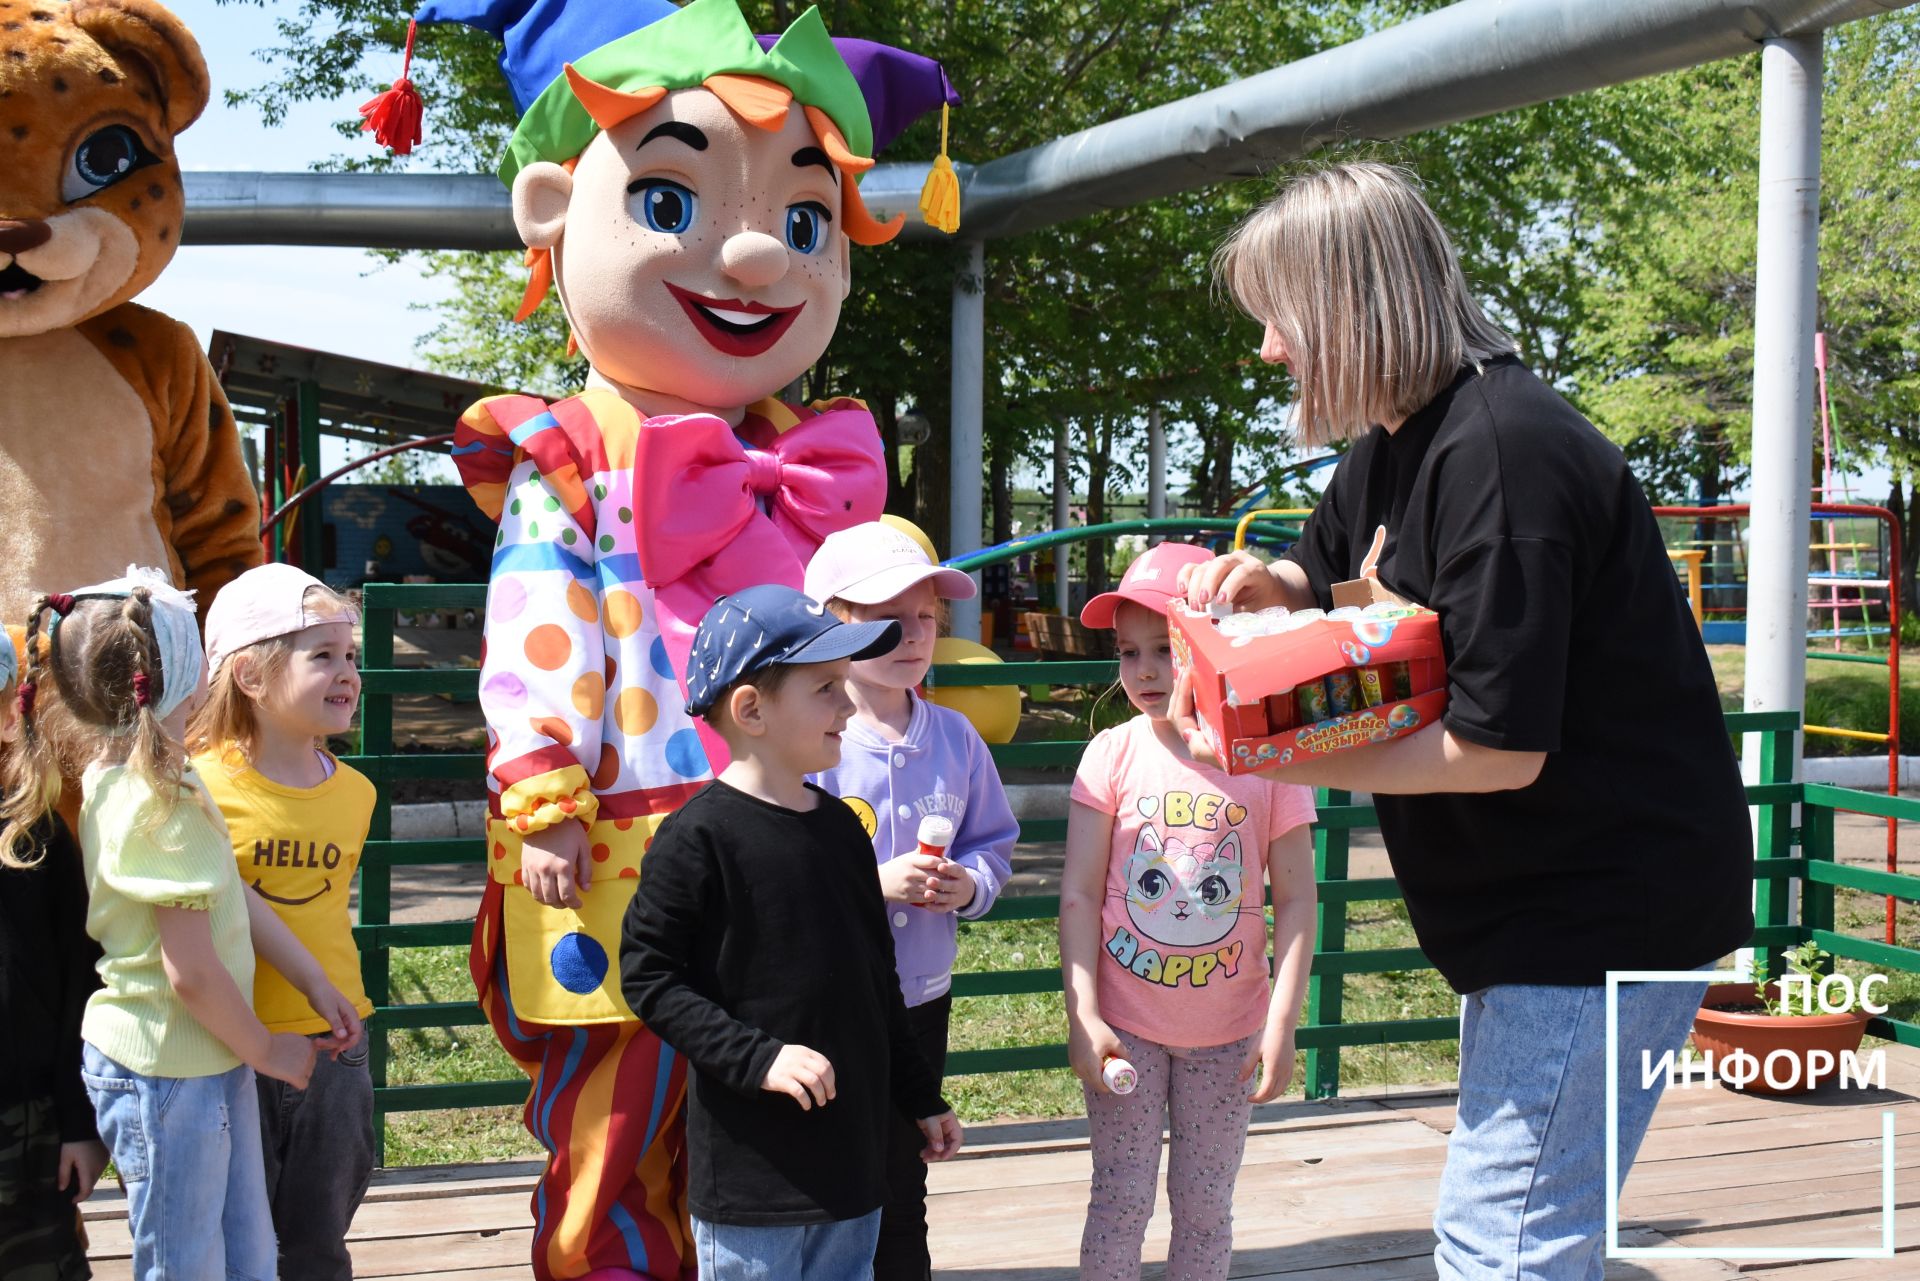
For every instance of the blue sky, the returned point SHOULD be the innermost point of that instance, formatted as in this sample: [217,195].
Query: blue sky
[338,300]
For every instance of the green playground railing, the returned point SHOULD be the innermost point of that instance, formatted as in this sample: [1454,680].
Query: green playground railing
[1787,854]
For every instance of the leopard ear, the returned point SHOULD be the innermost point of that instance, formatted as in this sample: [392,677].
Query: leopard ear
[148,41]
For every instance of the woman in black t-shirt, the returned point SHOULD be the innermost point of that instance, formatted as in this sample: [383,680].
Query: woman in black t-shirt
[1578,809]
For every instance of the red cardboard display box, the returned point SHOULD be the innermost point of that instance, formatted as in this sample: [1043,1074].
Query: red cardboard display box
[1264,700]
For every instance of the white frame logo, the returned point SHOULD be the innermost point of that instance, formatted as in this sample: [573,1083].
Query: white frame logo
[1615,1250]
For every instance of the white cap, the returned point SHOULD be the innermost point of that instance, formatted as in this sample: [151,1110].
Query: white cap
[875,562]
[265,602]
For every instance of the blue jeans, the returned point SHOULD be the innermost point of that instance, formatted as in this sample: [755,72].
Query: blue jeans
[841,1251]
[1523,1197]
[188,1153]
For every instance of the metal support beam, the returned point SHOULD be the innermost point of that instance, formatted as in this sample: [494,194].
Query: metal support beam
[1471,59]
[966,452]
[1786,280]
[1156,465]
[1062,516]
[313,541]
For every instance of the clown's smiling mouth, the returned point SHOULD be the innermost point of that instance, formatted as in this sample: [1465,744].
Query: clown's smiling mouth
[734,327]
[16,282]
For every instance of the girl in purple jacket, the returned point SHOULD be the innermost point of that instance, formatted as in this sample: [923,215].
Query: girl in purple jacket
[904,760]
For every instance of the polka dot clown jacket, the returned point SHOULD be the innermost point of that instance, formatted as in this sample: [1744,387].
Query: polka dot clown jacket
[616,533]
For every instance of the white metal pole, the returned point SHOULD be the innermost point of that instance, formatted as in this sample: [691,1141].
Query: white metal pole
[1156,466]
[966,453]
[1062,517]
[1786,282]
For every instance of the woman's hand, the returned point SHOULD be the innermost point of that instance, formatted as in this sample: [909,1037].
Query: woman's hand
[1090,1043]
[1273,1057]
[1239,578]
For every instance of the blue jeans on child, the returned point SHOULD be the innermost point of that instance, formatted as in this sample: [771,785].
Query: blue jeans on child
[1523,1197]
[188,1153]
[841,1251]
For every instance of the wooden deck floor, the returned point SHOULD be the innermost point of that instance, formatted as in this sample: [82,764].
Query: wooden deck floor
[1338,1191]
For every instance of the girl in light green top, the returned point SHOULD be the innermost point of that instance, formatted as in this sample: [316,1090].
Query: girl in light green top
[171,1039]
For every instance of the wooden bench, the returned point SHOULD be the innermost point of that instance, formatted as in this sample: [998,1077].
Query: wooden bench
[1057,636]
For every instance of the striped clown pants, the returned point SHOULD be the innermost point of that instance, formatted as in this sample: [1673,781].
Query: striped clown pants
[607,1104]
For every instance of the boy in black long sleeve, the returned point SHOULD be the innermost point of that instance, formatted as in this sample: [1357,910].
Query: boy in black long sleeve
[756,946]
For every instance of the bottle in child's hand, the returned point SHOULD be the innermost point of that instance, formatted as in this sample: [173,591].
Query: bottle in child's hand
[1119,1074]
[935,837]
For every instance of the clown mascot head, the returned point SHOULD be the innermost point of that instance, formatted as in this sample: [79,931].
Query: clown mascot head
[690,192]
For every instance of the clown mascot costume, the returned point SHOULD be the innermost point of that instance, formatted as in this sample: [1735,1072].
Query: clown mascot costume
[689,190]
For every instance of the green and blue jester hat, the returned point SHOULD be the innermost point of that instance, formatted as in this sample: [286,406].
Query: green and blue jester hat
[577,67]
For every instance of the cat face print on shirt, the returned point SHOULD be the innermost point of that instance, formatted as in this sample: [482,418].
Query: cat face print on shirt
[1184,895]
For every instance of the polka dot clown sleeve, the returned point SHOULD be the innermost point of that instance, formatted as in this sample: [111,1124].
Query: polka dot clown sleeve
[543,683]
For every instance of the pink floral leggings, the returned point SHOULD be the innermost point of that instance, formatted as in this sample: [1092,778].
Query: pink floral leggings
[1198,1096]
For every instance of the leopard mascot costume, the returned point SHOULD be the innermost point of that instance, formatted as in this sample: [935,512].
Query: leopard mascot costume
[116,442]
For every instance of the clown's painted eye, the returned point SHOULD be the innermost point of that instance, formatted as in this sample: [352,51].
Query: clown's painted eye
[103,158]
[1153,883]
[806,226]
[667,206]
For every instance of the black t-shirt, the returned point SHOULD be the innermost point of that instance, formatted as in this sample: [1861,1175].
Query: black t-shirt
[755,927]
[46,975]
[1567,633]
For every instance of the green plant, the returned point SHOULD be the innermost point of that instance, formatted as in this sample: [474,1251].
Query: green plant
[1810,962]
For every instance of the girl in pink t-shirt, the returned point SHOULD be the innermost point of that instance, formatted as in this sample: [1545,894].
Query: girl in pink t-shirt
[1163,942]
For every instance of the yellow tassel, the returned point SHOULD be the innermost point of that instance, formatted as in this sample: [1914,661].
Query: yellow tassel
[940,197]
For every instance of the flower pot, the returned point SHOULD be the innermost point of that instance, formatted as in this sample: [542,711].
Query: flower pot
[1720,1029]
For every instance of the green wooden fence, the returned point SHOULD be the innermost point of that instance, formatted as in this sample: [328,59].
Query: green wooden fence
[1786,854]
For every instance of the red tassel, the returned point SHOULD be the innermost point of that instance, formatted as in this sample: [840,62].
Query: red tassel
[394,116]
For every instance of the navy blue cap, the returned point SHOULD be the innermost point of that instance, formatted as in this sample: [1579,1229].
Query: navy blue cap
[768,625]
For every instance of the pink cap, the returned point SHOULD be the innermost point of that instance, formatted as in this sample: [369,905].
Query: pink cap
[265,602]
[1152,580]
[875,562]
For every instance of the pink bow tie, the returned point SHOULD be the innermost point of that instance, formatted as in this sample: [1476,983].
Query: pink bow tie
[700,488]
[703,532]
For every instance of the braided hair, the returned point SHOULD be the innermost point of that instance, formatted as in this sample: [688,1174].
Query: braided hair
[93,686]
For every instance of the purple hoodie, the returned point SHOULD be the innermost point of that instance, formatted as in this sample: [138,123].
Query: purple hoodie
[941,767]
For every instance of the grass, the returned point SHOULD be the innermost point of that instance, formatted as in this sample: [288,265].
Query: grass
[441,1055]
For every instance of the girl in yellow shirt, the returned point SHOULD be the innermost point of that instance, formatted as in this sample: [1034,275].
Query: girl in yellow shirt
[281,652]
[171,1043]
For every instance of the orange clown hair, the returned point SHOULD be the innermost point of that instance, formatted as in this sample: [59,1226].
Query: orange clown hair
[754,99]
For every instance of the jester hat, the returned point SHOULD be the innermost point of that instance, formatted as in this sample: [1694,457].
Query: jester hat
[576,68]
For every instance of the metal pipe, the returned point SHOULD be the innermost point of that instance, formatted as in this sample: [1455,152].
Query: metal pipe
[1475,58]
[1062,516]
[1156,465]
[966,452]
[1786,280]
